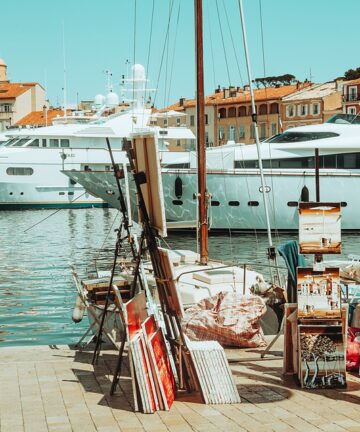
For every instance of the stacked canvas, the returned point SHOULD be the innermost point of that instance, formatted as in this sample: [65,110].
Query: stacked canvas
[213,372]
[152,376]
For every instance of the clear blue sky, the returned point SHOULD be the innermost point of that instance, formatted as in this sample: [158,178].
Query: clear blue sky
[300,36]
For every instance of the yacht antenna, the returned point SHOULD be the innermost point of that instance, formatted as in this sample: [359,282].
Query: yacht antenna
[200,128]
[64,66]
[271,250]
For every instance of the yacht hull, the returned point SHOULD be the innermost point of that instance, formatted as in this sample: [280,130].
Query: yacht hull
[237,200]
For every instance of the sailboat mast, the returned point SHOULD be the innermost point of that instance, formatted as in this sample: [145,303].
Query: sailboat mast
[200,135]
[254,119]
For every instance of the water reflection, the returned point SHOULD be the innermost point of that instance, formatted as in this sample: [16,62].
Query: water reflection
[36,288]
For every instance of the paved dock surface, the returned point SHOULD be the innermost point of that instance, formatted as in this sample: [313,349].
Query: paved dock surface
[55,388]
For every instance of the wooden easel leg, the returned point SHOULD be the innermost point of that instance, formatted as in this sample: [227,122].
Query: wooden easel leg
[118,365]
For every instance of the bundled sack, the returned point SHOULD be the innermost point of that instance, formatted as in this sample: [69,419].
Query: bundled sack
[230,318]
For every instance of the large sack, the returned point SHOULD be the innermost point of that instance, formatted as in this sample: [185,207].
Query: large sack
[230,318]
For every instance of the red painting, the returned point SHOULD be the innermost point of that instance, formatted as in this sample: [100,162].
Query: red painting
[162,364]
[136,313]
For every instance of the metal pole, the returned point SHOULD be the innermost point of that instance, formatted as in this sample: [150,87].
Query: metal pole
[317,174]
[254,119]
[200,126]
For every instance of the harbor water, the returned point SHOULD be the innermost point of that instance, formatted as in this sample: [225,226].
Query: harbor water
[38,248]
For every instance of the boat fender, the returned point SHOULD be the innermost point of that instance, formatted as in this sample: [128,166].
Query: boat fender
[178,187]
[79,310]
[305,194]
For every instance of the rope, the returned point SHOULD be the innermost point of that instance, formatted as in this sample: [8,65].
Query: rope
[52,214]
[150,40]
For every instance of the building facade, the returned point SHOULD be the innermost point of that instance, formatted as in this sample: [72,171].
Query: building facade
[312,105]
[17,99]
[351,97]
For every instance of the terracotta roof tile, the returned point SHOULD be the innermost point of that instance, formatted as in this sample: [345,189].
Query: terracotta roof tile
[218,98]
[37,118]
[354,81]
[13,90]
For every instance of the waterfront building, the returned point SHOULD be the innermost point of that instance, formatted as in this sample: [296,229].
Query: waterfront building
[312,105]
[351,97]
[228,113]
[18,99]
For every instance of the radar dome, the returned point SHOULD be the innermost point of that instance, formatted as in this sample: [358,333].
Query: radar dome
[138,71]
[99,100]
[112,99]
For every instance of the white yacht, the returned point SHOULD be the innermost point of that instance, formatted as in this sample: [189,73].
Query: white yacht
[31,160]
[233,178]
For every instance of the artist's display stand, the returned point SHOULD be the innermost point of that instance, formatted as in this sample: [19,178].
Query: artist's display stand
[292,328]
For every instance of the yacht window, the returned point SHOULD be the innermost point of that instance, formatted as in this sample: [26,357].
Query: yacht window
[34,143]
[23,171]
[43,142]
[215,203]
[337,161]
[54,142]
[234,203]
[177,165]
[177,202]
[61,193]
[288,137]
[292,204]
[343,204]
[64,143]
[70,193]
[21,142]
[253,203]
[344,119]
[11,141]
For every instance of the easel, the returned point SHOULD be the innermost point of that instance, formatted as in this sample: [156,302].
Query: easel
[124,225]
[174,333]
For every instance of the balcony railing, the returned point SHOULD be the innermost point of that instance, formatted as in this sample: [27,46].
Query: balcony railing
[352,97]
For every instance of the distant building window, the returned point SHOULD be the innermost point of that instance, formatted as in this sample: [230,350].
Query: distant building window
[303,109]
[64,143]
[232,133]
[290,111]
[351,110]
[242,111]
[242,131]
[222,113]
[178,143]
[207,139]
[206,119]
[192,120]
[43,142]
[232,112]
[353,93]
[316,109]
[274,108]
[252,130]
[165,122]
[7,108]
[262,130]
[221,132]
[263,109]
[178,121]
[20,171]
[273,129]
[54,142]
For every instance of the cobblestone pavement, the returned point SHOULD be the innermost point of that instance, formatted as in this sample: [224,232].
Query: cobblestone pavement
[50,388]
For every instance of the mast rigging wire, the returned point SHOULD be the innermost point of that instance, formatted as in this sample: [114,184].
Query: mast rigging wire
[163,52]
[223,43]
